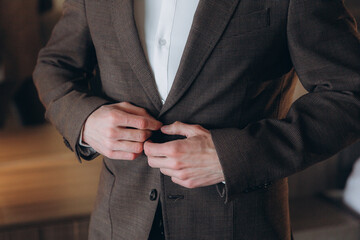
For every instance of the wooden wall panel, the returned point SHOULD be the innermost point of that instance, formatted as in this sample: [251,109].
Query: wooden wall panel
[58,231]
[21,234]
[45,193]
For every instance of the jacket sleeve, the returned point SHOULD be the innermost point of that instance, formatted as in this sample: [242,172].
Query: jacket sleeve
[325,50]
[62,75]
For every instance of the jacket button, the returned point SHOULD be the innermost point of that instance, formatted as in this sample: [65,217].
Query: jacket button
[153,195]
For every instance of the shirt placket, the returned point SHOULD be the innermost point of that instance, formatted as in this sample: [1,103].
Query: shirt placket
[162,48]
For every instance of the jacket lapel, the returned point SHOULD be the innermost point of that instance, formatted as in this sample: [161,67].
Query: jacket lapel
[124,23]
[210,20]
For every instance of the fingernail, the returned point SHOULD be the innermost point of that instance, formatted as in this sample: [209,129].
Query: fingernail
[165,128]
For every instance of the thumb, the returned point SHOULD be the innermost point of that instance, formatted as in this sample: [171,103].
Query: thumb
[179,128]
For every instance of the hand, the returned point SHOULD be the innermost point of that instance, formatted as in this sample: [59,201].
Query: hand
[118,131]
[190,162]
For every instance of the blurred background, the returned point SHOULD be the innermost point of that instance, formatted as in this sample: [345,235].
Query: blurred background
[45,194]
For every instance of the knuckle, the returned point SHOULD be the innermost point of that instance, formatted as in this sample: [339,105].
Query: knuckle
[132,156]
[176,165]
[138,147]
[143,110]
[106,108]
[124,104]
[174,154]
[142,136]
[197,127]
[142,123]
[175,150]
[112,117]
[189,184]
[183,175]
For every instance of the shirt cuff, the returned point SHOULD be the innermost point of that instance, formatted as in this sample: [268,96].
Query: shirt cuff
[81,143]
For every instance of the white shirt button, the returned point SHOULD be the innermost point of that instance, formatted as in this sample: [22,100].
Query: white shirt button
[163,101]
[162,42]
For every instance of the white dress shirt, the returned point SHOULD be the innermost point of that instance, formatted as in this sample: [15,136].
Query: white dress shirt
[163,27]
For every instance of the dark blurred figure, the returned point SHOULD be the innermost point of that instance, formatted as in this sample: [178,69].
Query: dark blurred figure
[20,41]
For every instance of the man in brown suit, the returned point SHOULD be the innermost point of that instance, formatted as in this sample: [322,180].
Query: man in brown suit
[230,102]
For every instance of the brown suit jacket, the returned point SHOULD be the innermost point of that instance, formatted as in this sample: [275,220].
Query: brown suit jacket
[235,78]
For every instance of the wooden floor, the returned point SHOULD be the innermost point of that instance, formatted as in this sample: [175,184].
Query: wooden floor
[46,194]
[41,182]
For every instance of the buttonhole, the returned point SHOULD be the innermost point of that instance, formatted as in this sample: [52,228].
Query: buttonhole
[176,197]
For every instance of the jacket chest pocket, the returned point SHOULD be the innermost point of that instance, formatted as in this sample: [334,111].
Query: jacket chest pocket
[244,23]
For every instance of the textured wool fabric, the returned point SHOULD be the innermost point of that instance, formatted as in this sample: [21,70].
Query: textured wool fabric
[235,79]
